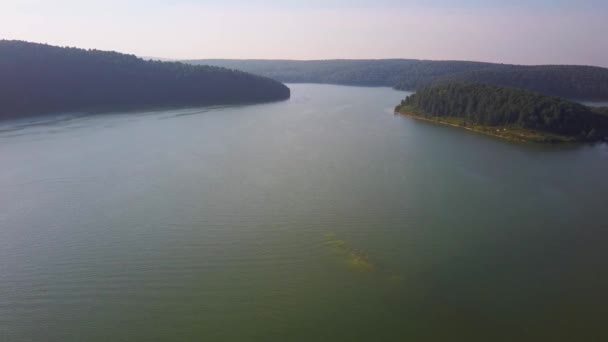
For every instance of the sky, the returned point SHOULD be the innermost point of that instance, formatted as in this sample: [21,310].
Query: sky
[516,31]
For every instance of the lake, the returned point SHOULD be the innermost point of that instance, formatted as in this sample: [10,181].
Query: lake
[321,218]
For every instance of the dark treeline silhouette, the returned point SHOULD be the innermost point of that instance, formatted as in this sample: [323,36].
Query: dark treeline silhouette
[487,105]
[407,73]
[567,81]
[573,82]
[38,78]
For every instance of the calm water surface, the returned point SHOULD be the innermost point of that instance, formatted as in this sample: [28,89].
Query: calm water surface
[322,218]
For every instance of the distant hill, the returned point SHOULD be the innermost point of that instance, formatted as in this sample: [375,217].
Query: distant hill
[508,112]
[387,73]
[582,83]
[39,78]
[566,81]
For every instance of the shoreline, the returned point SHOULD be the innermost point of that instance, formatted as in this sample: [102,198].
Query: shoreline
[521,139]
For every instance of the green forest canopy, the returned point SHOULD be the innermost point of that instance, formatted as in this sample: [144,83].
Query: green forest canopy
[573,82]
[489,105]
[39,78]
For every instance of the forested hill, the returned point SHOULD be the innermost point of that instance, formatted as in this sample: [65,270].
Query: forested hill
[566,81]
[573,82]
[38,78]
[406,73]
[493,106]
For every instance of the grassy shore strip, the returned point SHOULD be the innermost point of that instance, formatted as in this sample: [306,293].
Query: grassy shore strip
[505,132]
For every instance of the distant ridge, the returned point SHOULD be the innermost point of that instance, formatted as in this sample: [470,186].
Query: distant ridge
[583,83]
[39,78]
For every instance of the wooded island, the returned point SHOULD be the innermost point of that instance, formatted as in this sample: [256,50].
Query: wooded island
[510,113]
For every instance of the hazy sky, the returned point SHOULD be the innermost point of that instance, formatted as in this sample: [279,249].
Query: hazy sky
[516,31]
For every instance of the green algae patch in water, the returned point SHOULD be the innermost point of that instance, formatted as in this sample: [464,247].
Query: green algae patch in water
[360,262]
[339,246]
[356,260]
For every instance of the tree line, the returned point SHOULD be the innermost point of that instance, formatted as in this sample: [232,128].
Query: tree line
[567,81]
[488,105]
[39,78]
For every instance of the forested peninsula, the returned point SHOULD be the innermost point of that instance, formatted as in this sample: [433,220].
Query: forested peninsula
[575,82]
[39,79]
[506,112]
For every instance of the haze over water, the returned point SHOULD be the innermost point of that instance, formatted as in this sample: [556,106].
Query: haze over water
[322,218]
